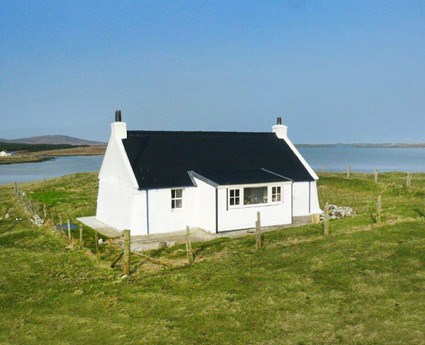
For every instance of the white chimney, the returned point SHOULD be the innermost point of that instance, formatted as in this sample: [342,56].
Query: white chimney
[118,128]
[280,130]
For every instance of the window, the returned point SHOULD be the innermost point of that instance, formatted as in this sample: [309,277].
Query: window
[234,197]
[276,194]
[176,198]
[254,196]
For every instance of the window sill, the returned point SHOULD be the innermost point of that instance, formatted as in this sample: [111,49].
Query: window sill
[255,205]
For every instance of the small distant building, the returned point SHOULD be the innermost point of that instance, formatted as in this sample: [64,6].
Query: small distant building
[156,181]
[5,153]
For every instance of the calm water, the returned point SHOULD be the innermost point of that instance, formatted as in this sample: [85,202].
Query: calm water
[25,172]
[365,159]
[321,159]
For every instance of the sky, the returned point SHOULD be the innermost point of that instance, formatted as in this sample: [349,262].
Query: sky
[335,71]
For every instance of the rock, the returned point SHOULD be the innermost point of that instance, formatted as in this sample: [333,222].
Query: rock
[342,212]
[37,220]
[100,241]
[162,244]
[337,212]
[7,215]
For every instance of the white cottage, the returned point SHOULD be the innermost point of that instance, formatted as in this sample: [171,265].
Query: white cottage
[5,154]
[159,181]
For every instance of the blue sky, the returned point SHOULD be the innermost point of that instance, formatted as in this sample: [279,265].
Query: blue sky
[335,71]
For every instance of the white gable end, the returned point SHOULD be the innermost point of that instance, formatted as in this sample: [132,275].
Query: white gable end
[119,202]
[116,168]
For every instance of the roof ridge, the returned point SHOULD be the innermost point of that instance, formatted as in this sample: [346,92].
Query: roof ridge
[197,132]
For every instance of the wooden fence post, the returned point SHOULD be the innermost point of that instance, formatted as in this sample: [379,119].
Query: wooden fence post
[326,220]
[126,258]
[69,230]
[44,211]
[375,173]
[53,219]
[258,243]
[408,180]
[348,171]
[378,210]
[189,252]
[81,235]
[16,188]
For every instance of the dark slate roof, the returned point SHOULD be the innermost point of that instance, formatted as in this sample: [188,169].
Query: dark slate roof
[163,159]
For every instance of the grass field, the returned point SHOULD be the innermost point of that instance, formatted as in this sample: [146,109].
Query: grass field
[364,284]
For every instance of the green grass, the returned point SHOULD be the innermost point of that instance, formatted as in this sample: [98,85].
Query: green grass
[364,284]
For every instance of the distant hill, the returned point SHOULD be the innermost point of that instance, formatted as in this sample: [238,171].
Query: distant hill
[52,140]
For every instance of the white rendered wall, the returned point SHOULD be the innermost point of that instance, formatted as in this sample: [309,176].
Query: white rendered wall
[198,209]
[306,201]
[301,195]
[244,217]
[162,218]
[138,224]
[205,206]
[110,201]
[315,207]
[119,202]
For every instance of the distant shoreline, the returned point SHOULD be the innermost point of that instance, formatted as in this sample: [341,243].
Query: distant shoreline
[41,156]
[99,150]
[365,146]
[24,159]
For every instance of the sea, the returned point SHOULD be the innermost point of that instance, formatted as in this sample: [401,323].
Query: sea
[322,159]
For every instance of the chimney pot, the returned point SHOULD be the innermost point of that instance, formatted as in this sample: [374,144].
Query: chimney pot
[118,116]
[280,130]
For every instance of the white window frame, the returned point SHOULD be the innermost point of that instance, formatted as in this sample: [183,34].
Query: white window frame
[241,188]
[277,193]
[175,199]
[234,197]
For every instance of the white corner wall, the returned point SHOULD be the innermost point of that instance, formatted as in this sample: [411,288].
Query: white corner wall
[315,207]
[119,203]
[162,218]
[205,206]
[305,199]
